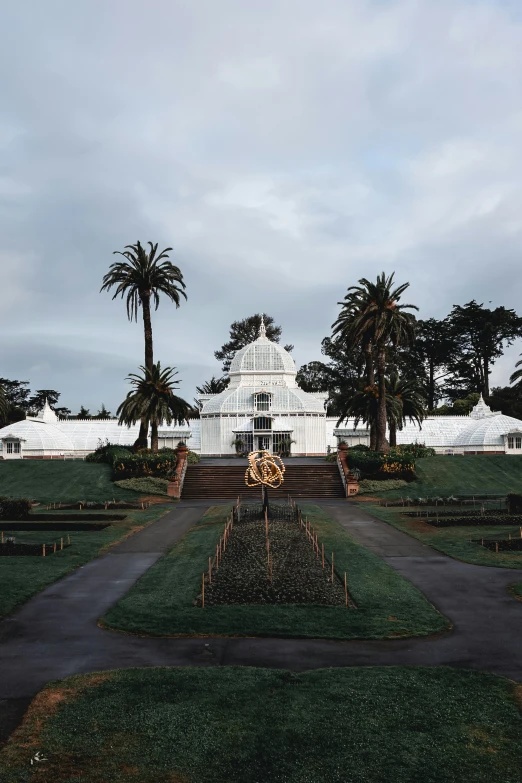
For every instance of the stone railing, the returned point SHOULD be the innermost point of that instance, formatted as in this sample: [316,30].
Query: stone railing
[175,485]
[350,483]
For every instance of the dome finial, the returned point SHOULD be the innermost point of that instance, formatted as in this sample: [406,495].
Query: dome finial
[262,328]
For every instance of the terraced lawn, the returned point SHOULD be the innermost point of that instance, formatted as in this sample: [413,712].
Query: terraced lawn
[60,481]
[246,725]
[446,475]
[164,601]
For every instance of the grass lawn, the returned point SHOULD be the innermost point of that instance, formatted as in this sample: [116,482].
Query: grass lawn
[453,541]
[245,725]
[60,481]
[22,577]
[162,602]
[516,589]
[445,475]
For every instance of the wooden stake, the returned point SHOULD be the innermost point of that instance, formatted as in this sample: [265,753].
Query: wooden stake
[345,590]
[2,536]
[332,567]
[496,546]
[68,538]
[217,555]
[203,590]
[266,521]
[210,570]
[322,547]
[54,547]
[43,550]
[61,543]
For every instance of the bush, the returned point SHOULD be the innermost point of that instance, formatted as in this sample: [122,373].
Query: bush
[367,486]
[192,458]
[415,450]
[146,485]
[14,508]
[137,465]
[514,503]
[377,465]
[108,452]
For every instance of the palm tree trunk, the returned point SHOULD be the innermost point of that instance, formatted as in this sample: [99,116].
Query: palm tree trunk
[154,436]
[370,381]
[142,441]
[370,374]
[382,443]
[393,434]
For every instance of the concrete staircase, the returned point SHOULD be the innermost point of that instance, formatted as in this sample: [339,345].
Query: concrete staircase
[228,481]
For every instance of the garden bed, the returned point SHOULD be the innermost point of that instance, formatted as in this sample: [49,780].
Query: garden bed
[501,545]
[472,520]
[54,525]
[296,575]
[13,548]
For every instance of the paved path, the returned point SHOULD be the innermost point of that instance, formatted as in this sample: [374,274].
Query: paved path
[56,634]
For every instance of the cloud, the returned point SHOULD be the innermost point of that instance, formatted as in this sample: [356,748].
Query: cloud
[283,149]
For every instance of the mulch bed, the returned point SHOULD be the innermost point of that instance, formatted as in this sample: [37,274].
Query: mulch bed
[471,520]
[28,549]
[297,573]
[504,545]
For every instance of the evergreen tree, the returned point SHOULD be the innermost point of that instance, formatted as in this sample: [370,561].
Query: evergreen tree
[244,332]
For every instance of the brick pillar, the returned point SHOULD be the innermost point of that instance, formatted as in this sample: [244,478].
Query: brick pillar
[352,485]
[174,485]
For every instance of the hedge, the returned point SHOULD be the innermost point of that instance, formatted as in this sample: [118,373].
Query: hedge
[136,465]
[14,508]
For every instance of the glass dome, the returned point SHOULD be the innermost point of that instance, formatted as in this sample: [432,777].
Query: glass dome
[263,356]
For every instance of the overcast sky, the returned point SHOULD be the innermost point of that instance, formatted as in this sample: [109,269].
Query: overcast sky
[283,148]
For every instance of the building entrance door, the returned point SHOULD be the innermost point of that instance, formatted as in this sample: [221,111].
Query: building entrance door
[263,442]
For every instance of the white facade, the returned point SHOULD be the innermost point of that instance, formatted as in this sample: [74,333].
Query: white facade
[263,406]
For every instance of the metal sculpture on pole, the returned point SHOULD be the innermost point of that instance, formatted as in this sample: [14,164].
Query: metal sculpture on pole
[264,470]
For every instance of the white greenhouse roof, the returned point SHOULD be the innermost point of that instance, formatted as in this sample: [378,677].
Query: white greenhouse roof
[284,399]
[39,436]
[488,431]
[262,356]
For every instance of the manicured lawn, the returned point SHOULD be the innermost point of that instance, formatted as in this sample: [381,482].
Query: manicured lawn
[242,725]
[516,589]
[163,601]
[445,475]
[60,481]
[22,577]
[453,541]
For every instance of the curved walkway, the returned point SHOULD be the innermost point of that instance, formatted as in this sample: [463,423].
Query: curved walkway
[56,634]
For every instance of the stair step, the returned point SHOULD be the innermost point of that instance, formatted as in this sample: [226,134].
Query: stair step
[228,481]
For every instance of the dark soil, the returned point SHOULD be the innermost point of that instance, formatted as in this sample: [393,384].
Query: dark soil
[297,573]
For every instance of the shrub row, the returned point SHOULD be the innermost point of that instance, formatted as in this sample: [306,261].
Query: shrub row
[14,508]
[377,465]
[465,521]
[136,465]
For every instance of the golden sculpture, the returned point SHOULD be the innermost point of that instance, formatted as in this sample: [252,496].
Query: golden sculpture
[264,470]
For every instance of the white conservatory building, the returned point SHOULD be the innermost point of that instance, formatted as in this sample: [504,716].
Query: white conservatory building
[263,407]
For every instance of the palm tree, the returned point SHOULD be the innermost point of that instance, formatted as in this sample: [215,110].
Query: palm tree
[142,277]
[517,375]
[153,401]
[406,399]
[372,316]
[4,405]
